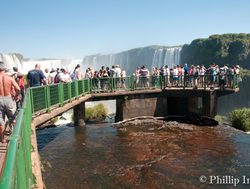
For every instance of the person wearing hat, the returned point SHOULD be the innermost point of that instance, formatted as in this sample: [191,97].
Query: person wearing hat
[8,85]
[64,76]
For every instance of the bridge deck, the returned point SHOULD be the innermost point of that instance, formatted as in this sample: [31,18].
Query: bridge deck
[3,151]
[42,116]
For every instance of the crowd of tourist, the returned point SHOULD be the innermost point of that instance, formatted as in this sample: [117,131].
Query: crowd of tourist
[12,85]
[197,76]
[188,76]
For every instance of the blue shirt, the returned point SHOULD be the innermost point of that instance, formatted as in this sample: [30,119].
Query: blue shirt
[186,69]
[35,77]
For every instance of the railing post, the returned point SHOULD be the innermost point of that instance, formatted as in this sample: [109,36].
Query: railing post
[76,88]
[61,94]
[184,81]
[69,90]
[162,84]
[133,83]
[115,84]
[130,83]
[112,84]
[47,96]
[83,87]
[31,100]
[233,82]
[90,85]
[204,81]
[86,86]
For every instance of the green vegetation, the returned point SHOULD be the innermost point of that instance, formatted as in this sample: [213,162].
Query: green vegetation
[96,113]
[240,119]
[229,49]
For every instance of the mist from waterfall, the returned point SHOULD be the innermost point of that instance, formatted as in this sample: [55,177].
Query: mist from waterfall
[11,60]
[153,56]
[24,65]
[157,56]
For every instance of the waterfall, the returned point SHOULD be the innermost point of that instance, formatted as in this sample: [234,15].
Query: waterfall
[172,57]
[168,56]
[24,65]
[155,56]
[11,60]
[158,58]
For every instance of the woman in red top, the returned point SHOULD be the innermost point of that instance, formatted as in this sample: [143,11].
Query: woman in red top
[20,81]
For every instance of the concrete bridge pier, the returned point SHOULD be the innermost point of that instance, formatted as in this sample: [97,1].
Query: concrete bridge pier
[164,104]
[79,114]
[140,105]
[209,104]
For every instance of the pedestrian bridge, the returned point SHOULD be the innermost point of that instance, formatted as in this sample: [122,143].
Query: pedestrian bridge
[155,96]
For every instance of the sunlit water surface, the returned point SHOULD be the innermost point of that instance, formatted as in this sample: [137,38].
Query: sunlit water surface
[99,156]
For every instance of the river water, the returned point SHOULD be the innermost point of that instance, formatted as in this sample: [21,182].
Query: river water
[99,156]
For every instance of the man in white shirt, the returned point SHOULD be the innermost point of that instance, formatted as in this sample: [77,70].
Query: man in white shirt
[64,76]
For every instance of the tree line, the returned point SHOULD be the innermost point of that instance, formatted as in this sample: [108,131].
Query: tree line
[231,49]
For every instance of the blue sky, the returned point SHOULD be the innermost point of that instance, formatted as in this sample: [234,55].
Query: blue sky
[76,28]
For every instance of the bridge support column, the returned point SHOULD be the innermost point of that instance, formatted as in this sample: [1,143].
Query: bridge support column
[209,104]
[119,110]
[79,114]
[140,105]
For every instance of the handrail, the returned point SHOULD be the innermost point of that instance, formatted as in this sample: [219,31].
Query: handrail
[17,169]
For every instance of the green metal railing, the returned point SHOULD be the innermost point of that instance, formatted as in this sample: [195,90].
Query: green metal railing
[17,172]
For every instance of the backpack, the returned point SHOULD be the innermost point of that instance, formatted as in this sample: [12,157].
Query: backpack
[56,79]
[73,75]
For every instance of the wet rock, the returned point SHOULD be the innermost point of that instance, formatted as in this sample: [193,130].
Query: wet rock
[151,124]
[81,123]
[173,126]
[174,146]
[193,118]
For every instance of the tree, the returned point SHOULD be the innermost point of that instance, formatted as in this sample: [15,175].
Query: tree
[221,49]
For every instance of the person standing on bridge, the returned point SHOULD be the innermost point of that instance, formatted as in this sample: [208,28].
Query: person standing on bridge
[20,81]
[76,74]
[36,77]
[8,85]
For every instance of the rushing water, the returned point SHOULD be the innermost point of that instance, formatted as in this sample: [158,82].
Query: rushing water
[129,60]
[99,156]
